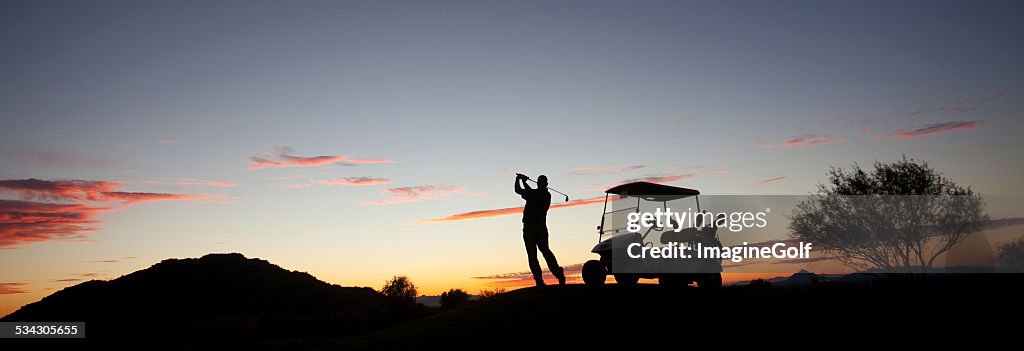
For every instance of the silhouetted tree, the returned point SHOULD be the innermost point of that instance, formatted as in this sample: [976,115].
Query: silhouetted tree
[400,290]
[898,218]
[486,294]
[453,298]
[1010,255]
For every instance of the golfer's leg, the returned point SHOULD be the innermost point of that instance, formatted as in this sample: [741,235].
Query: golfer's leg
[549,257]
[531,256]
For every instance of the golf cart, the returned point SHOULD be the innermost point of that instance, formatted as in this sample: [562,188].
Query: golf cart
[615,238]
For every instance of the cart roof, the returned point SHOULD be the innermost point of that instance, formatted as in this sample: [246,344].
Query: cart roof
[646,188]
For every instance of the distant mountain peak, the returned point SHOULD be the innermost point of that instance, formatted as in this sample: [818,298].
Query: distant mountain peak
[225,256]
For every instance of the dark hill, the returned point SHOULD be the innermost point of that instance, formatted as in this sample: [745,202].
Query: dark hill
[219,298]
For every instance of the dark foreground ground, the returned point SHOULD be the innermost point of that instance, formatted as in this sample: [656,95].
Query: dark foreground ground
[228,302]
[935,309]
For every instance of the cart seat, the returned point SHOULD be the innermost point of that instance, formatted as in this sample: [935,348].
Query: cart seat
[682,236]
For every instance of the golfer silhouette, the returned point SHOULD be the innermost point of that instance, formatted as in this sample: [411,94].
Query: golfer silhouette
[535,228]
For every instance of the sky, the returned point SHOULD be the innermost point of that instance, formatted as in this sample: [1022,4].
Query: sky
[348,139]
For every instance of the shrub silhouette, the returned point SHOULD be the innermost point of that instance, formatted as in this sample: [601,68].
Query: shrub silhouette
[1010,255]
[486,294]
[453,298]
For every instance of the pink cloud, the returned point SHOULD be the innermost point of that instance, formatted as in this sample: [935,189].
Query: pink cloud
[802,141]
[298,186]
[129,198]
[293,161]
[931,129]
[67,280]
[509,211]
[671,178]
[30,221]
[114,260]
[659,179]
[956,108]
[282,157]
[12,288]
[84,190]
[69,189]
[420,193]
[79,277]
[167,142]
[766,181]
[356,181]
[194,181]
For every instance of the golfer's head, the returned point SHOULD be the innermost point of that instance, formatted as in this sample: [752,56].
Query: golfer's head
[542,181]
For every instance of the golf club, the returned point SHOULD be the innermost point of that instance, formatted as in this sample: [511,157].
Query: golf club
[549,188]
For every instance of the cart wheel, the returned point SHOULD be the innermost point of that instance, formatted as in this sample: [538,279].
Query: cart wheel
[626,279]
[710,281]
[594,273]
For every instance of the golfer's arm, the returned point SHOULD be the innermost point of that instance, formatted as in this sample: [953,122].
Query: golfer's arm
[519,188]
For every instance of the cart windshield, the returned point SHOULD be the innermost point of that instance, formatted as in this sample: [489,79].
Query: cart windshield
[618,208]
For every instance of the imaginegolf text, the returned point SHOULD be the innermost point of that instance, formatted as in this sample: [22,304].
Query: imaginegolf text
[735,253]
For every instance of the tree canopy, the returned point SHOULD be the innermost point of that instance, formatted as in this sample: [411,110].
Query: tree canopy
[400,289]
[897,217]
